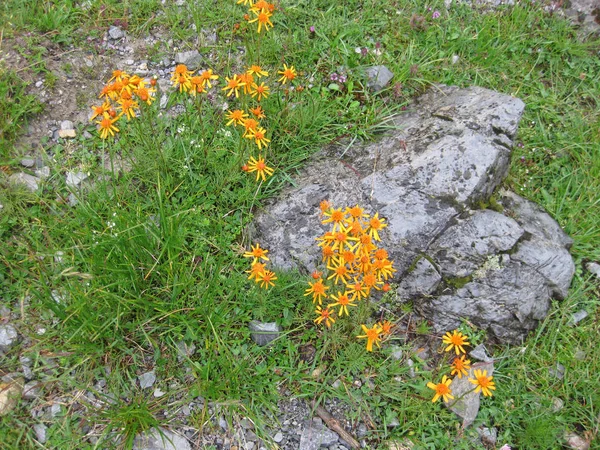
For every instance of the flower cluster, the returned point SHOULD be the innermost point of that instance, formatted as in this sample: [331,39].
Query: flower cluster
[460,366]
[260,13]
[185,80]
[356,266]
[258,271]
[121,96]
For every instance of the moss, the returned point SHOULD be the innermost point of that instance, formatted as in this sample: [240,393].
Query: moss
[491,203]
[457,282]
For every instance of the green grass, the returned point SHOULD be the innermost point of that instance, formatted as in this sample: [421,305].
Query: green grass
[153,256]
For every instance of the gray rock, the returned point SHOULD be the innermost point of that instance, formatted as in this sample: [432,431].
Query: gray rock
[578,316]
[396,353]
[54,410]
[480,353]
[263,333]
[40,432]
[8,337]
[210,36]
[575,442]
[488,436]
[158,393]
[147,379]
[31,182]
[316,435]
[26,367]
[115,33]
[557,404]
[411,368]
[191,59]
[378,77]
[66,125]
[160,439]
[466,401]
[452,150]
[593,268]
[184,350]
[278,437]
[74,179]
[557,371]
[28,162]
[43,172]
[164,99]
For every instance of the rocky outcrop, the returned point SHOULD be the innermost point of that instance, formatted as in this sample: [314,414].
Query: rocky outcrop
[431,179]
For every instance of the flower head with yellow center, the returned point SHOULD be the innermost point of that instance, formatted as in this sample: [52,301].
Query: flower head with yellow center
[128,107]
[455,341]
[257,253]
[441,389]
[376,224]
[317,290]
[255,270]
[258,112]
[328,253]
[248,81]
[233,85]
[106,126]
[483,382]
[208,77]
[357,290]
[259,136]
[335,216]
[343,301]
[145,94]
[287,74]
[460,366]
[259,91]
[250,125]
[236,117]
[339,272]
[197,87]
[372,335]
[260,167]
[386,327]
[257,71]
[266,278]
[263,19]
[100,110]
[325,315]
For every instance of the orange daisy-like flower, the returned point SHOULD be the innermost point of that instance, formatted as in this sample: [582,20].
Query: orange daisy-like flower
[357,289]
[441,389]
[256,269]
[383,268]
[106,126]
[118,75]
[376,224]
[233,85]
[316,275]
[250,125]
[325,315]
[259,6]
[145,94]
[106,91]
[343,301]
[248,81]
[236,117]
[259,92]
[356,213]
[128,107]
[259,137]
[328,253]
[372,335]
[455,341]
[207,77]
[371,282]
[460,366]
[483,382]
[260,167]
[263,18]
[317,290]
[386,327]
[183,83]
[335,216]
[258,112]
[324,206]
[257,253]
[287,74]
[266,278]
[197,86]
[257,71]
[100,110]
[339,272]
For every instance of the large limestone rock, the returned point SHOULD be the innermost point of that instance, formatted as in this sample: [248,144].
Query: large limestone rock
[497,268]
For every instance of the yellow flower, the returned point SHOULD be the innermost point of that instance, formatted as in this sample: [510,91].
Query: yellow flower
[325,315]
[317,290]
[106,126]
[233,85]
[335,216]
[260,5]
[287,74]
[183,83]
[372,335]
[383,268]
[256,269]
[100,110]
[259,92]
[236,117]
[197,86]
[259,137]
[343,302]
[339,272]
[263,18]
[258,112]
[245,2]
[460,366]
[250,126]
[248,81]
[328,254]
[375,225]
[265,279]
[441,389]
[455,340]
[371,282]
[145,94]
[357,289]
[257,253]
[356,213]
[386,327]
[260,167]
[483,382]
[118,75]
[258,71]
[207,76]
[127,107]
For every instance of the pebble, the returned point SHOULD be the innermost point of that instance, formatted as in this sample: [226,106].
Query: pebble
[74,179]
[64,134]
[411,368]
[578,316]
[115,33]
[147,379]
[39,84]
[278,437]
[8,337]
[26,367]
[158,393]
[43,172]
[40,432]
[558,371]
[455,59]
[66,125]
[28,162]
[29,181]
[263,333]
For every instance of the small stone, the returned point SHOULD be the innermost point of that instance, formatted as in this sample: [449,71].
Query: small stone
[31,182]
[143,66]
[393,422]
[163,101]
[66,125]
[185,350]
[488,436]
[39,84]
[578,316]
[87,134]
[336,384]
[31,390]
[579,355]
[558,371]
[378,77]
[455,59]
[130,62]
[466,401]
[576,442]
[43,172]
[278,437]
[74,179]
[28,162]
[191,59]
[115,33]
[40,432]
[26,367]
[223,423]
[315,435]
[263,333]
[480,353]
[8,337]
[64,134]
[411,368]
[593,268]
[246,424]
[158,393]
[557,404]
[160,439]
[147,379]
[54,410]
[249,445]
[58,257]
[396,353]
[11,390]
[185,409]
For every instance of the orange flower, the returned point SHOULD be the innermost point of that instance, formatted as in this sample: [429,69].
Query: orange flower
[460,366]
[265,279]
[372,335]
[325,315]
[375,225]
[248,81]
[259,137]
[343,301]
[317,290]
[106,126]
[260,167]
[386,327]
[236,117]
[258,71]
[257,253]
[263,18]
[483,382]
[208,76]
[100,110]
[441,389]
[256,269]
[259,92]
[287,74]
[233,85]
[258,112]
[197,86]
[455,340]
